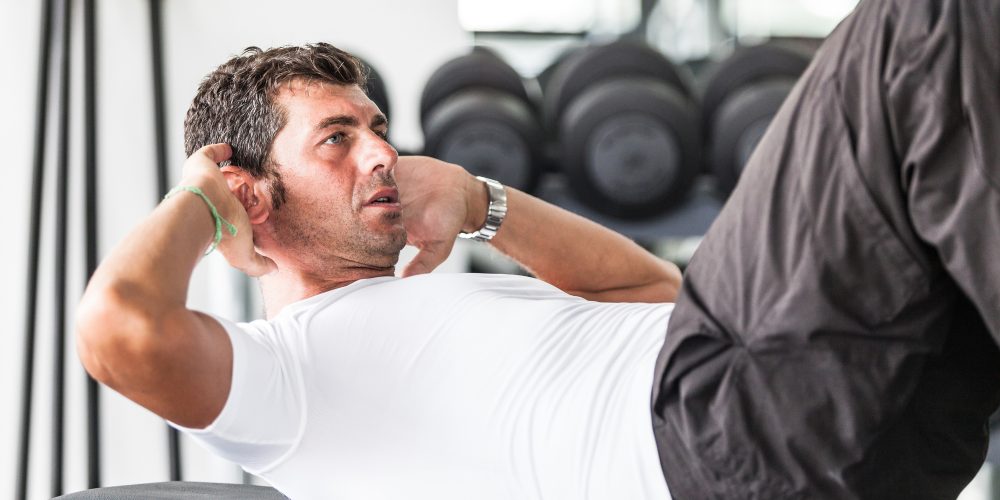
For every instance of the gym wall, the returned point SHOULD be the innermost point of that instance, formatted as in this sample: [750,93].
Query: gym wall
[405,40]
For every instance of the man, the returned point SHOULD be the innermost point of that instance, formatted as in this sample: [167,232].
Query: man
[360,384]
[836,333]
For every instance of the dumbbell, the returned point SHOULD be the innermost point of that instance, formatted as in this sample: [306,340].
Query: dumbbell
[627,128]
[545,76]
[476,112]
[376,89]
[741,98]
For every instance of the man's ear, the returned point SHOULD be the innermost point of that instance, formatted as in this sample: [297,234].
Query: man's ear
[251,192]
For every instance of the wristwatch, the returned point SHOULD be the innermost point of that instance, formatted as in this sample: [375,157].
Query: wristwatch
[494,214]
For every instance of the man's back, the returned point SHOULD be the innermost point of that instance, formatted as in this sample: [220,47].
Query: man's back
[830,341]
[447,386]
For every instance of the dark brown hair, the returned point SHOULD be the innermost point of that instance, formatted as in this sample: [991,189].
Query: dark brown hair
[235,103]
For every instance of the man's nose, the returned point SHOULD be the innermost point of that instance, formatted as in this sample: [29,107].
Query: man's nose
[377,154]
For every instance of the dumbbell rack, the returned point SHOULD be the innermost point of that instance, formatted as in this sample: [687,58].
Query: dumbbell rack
[608,106]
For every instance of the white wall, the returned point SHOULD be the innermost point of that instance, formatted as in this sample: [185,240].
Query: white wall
[404,40]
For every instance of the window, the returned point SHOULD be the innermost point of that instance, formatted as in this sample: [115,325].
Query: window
[781,18]
[549,16]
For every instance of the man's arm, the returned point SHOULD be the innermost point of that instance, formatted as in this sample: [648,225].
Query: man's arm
[573,253]
[134,331]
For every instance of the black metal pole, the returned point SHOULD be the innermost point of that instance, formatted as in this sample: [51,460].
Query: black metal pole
[159,101]
[717,32]
[162,181]
[645,11]
[31,297]
[90,221]
[62,193]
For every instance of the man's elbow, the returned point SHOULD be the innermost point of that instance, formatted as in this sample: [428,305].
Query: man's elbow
[661,288]
[112,329]
[672,282]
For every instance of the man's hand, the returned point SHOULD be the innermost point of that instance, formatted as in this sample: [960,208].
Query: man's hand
[135,333]
[575,254]
[202,170]
[439,200]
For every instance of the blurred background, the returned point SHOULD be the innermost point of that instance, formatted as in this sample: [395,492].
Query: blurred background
[636,113]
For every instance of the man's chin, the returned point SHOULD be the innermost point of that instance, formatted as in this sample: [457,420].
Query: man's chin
[392,242]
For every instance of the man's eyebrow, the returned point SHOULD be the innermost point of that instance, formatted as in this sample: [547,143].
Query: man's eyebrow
[349,121]
[333,121]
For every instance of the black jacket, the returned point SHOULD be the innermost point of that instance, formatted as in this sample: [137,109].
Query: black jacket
[836,332]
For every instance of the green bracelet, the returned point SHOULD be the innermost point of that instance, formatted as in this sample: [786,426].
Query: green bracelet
[219,221]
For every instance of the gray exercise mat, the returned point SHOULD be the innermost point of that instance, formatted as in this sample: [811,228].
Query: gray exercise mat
[179,490]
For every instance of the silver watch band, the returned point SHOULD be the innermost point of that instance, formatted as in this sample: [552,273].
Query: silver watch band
[494,214]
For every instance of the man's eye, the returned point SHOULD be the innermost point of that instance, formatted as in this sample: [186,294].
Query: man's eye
[384,134]
[336,138]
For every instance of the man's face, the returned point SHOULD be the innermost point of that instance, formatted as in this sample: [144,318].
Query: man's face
[341,207]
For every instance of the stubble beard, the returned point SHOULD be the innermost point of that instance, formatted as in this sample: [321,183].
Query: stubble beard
[319,246]
[323,245]
[381,246]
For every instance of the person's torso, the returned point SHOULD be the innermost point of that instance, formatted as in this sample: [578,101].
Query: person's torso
[473,386]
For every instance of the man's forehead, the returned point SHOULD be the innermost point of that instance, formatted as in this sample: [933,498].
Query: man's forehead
[302,88]
[311,99]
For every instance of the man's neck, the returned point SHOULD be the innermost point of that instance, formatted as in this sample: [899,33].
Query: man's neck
[285,287]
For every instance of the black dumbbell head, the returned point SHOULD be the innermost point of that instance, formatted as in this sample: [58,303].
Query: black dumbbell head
[545,76]
[590,65]
[747,66]
[376,88]
[630,148]
[741,124]
[481,69]
[490,133]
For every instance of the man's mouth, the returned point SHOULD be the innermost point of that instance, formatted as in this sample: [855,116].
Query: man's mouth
[385,196]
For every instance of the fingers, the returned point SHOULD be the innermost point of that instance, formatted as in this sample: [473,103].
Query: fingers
[252,264]
[216,152]
[260,265]
[428,258]
[207,159]
[251,261]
